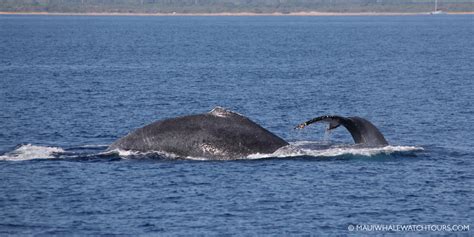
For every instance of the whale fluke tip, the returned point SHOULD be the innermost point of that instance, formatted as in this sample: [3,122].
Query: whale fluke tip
[300,126]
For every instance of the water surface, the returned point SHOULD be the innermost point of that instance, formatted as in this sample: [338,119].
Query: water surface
[71,85]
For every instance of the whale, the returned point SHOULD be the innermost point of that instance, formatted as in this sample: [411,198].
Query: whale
[217,135]
[222,134]
[363,131]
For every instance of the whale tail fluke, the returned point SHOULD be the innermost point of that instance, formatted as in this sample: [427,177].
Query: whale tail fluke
[362,131]
[333,120]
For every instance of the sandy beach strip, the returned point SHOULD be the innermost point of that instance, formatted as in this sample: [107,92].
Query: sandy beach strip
[309,13]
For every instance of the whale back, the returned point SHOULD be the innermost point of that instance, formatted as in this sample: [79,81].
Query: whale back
[219,134]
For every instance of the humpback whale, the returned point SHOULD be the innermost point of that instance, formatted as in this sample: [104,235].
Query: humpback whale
[219,134]
[363,132]
[222,134]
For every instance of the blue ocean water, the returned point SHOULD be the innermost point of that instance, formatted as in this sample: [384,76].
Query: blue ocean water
[71,85]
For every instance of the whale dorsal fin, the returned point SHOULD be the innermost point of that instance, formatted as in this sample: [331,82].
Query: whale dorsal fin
[223,112]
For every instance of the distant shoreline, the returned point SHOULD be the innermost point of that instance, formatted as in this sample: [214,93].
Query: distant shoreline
[311,13]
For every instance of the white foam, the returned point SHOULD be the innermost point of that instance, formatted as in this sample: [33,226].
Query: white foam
[29,152]
[124,154]
[127,154]
[296,149]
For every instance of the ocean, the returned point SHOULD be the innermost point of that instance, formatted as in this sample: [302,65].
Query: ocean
[71,85]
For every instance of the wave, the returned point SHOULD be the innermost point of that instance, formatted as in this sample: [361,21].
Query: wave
[138,154]
[321,150]
[30,152]
[295,149]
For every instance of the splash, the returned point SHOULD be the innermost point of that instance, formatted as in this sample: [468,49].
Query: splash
[314,149]
[127,154]
[30,152]
[318,149]
[295,149]
[327,134]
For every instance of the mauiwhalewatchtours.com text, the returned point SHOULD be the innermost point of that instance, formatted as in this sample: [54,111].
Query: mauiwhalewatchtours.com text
[409,228]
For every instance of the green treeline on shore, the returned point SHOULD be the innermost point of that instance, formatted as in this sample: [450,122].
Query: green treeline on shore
[233,6]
